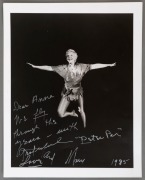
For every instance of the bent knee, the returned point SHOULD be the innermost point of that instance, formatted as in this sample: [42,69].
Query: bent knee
[81,110]
[60,113]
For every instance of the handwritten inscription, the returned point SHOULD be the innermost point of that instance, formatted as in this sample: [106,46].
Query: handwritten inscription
[40,114]
[109,134]
[94,138]
[37,99]
[49,155]
[18,133]
[72,158]
[69,128]
[119,162]
[34,148]
[50,122]
[90,139]
[19,120]
[25,142]
[24,152]
[18,107]
[34,163]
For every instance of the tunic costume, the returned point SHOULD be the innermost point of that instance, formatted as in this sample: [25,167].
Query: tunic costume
[72,88]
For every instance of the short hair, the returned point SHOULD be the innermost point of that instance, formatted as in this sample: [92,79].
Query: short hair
[71,50]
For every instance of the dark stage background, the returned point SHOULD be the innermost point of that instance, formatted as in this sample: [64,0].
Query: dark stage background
[42,39]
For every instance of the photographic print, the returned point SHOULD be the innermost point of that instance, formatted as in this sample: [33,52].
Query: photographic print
[71,89]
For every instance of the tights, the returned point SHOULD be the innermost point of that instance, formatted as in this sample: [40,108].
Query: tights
[63,105]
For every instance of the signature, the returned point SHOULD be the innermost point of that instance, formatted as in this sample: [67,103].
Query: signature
[18,133]
[69,128]
[36,99]
[72,158]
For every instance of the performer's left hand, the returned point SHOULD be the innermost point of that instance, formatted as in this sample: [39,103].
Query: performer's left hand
[113,64]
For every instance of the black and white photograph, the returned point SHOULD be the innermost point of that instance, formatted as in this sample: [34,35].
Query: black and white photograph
[72,89]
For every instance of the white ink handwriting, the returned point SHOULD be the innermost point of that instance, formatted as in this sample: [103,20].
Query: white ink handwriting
[119,162]
[109,134]
[50,122]
[39,114]
[35,99]
[72,157]
[28,152]
[19,120]
[88,140]
[18,133]
[69,128]
[31,162]
[49,155]
[18,107]
[25,142]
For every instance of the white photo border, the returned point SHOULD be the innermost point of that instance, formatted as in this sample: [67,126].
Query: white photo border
[136,9]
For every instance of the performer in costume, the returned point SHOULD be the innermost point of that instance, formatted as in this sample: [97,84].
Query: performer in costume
[72,73]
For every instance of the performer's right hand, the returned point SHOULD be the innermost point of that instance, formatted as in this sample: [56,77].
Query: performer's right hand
[31,65]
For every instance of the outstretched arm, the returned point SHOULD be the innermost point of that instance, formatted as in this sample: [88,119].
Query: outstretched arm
[47,68]
[98,66]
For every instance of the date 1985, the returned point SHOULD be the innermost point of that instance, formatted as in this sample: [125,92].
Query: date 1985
[119,162]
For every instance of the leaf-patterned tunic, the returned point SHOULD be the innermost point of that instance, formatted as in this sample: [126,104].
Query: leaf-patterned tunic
[73,88]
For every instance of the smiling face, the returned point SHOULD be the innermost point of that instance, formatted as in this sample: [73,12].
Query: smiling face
[71,56]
